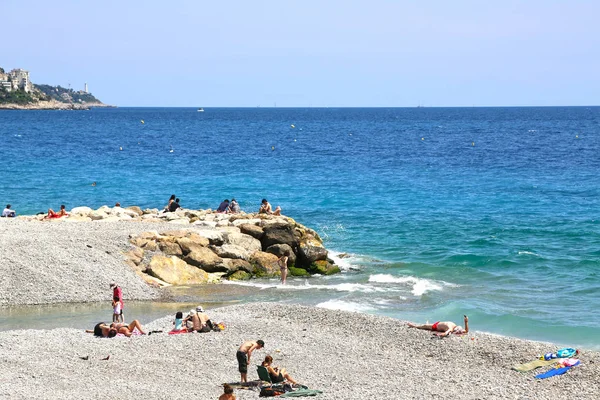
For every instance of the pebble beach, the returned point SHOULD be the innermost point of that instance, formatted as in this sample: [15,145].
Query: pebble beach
[346,355]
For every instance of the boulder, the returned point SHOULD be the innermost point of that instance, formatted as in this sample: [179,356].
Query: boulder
[138,211]
[207,224]
[231,251]
[246,221]
[181,233]
[136,255]
[152,211]
[205,259]
[81,211]
[77,218]
[235,265]
[279,249]
[188,245]
[176,271]
[149,235]
[298,271]
[246,241]
[170,248]
[214,237]
[324,267]
[179,221]
[253,230]
[97,215]
[278,234]
[239,276]
[308,254]
[265,264]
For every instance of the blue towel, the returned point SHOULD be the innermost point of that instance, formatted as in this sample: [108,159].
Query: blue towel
[555,371]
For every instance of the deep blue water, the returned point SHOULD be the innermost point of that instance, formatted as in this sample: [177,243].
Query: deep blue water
[491,212]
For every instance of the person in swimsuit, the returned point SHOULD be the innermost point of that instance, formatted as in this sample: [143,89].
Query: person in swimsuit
[444,328]
[126,329]
[265,208]
[283,260]
[277,374]
[243,356]
[61,213]
[103,330]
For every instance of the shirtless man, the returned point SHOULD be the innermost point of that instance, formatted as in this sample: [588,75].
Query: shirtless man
[445,328]
[53,214]
[243,356]
[227,393]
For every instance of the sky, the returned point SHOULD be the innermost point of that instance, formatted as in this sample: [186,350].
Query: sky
[309,53]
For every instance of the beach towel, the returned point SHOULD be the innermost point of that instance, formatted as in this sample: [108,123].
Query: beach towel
[302,393]
[533,365]
[556,371]
[174,332]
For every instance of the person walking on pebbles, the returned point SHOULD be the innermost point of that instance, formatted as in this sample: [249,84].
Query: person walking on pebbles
[243,356]
[444,328]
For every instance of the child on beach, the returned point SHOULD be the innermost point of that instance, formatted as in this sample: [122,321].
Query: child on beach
[117,292]
[116,309]
[179,322]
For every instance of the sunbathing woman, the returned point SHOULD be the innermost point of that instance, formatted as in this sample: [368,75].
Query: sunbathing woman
[277,374]
[126,329]
[445,328]
[103,330]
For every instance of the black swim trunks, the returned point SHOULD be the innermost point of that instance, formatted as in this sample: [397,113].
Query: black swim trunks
[242,361]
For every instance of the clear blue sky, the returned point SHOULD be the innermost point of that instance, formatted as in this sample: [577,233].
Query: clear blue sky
[310,53]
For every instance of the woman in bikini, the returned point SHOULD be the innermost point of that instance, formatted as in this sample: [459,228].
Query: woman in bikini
[283,261]
[277,374]
[444,328]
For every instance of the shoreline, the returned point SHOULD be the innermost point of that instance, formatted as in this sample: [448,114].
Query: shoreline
[346,355]
[54,105]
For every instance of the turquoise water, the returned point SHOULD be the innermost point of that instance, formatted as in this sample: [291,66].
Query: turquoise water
[490,212]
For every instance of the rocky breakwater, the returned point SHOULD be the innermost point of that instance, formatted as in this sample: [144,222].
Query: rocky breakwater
[212,246]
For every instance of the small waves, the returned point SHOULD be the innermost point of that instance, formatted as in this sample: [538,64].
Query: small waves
[419,286]
[529,253]
[345,306]
[292,285]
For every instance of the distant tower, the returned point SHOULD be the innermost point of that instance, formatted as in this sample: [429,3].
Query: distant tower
[85,90]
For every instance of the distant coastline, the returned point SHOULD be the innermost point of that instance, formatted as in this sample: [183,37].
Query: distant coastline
[54,105]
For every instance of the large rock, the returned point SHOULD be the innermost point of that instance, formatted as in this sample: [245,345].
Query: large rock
[253,230]
[81,211]
[136,255]
[279,234]
[239,276]
[170,248]
[231,251]
[246,221]
[235,265]
[280,249]
[265,264]
[181,233]
[188,244]
[308,254]
[205,259]
[324,267]
[138,211]
[298,271]
[216,238]
[175,271]
[246,241]
[97,215]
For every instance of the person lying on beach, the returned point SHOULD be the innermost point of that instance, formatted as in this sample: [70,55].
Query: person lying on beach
[61,213]
[277,374]
[243,356]
[444,328]
[227,393]
[8,212]
[223,206]
[127,329]
[265,208]
[103,330]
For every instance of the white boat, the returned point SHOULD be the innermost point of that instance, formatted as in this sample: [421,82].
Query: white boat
[201,109]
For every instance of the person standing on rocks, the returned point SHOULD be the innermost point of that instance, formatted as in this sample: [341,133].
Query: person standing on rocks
[243,356]
[118,293]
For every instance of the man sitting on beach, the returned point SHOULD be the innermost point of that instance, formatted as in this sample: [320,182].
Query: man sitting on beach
[444,328]
[243,356]
[8,212]
[53,214]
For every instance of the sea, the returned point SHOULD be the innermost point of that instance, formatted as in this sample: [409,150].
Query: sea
[431,213]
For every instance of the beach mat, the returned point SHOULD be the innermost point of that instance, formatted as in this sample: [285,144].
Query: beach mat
[555,371]
[302,393]
[252,385]
[530,366]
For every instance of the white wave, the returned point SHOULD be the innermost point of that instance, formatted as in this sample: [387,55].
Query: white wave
[345,263]
[292,285]
[345,306]
[419,286]
[530,253]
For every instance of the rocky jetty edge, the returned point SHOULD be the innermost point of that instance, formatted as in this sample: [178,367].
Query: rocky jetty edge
[211,246]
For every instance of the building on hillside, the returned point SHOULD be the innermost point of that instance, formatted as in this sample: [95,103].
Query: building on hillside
[20,80]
